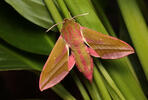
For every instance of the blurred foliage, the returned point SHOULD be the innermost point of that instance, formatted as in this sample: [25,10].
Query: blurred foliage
[24,45]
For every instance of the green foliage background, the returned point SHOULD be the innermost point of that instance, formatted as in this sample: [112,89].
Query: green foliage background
[23,45]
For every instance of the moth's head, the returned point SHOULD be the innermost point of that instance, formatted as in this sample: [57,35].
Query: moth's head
[66,20]
[73,18]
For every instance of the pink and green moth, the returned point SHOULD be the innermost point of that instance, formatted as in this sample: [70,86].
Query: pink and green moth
[83,43]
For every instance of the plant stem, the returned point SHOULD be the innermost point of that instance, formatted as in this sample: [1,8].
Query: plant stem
[100,84]
[54,12]
[64,8]
[80,86]
[103,17]
[109,79]
[62,92]
[92,89]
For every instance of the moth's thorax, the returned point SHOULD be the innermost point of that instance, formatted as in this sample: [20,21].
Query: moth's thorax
[71,32]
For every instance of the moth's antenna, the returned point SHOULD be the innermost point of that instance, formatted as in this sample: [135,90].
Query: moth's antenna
[54,26]
[63,21]
[80,15]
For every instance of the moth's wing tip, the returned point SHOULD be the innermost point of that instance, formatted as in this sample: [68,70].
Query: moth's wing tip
[43,85]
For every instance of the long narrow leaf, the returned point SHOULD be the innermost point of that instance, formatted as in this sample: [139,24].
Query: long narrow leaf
[109,80]
[12,55]
[137,29]
[92,89]
[62,92]
[101,86]
[54,12]
[33,10]
[22,34]
[80,86]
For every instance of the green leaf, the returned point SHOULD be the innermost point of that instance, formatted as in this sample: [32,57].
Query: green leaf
[62,92]
[54,13]
[80,86]
[9,62]
[14,59]
[109,82]
[92,89]
[137,28]
[22,34]
[124,78]
[91,20]
[101,86]
[102,16]
[33,10]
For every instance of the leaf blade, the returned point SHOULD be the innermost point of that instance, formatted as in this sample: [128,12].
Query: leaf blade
[22,34]
[29,9]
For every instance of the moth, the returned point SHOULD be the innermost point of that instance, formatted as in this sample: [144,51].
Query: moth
[83,43]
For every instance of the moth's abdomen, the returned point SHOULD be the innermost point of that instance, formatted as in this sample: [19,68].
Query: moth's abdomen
[83,61]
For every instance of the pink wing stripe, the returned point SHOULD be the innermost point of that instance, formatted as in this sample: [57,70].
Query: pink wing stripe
[116,55]
[92,52]
[55,81]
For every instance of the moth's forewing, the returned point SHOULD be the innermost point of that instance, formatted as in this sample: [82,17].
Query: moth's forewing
[106,47]
[56,66]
